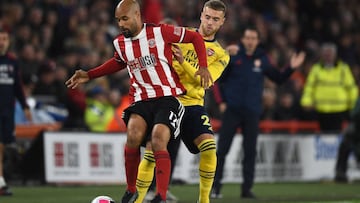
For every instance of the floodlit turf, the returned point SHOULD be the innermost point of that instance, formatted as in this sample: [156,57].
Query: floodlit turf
[266,192]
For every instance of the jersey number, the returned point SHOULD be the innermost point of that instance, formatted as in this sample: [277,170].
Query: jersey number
[206,122]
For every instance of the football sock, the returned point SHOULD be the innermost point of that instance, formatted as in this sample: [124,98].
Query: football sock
[162,172]
[207,167]
[132,160]
[145,175]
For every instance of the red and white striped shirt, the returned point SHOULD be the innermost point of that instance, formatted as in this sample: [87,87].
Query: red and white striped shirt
[148,58]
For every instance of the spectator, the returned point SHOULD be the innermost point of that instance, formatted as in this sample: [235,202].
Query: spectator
[269,101]
[98,111]
[76,104]
[10,89]
[241,86]
[39,115]
[116,124]
[46,88]
[285,110]
[330,90]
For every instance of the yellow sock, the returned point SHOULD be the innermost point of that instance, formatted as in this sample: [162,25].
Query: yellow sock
[207,167]
[145,175]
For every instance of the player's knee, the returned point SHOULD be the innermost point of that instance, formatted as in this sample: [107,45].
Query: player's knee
[160,137]
[158,143]
[133,140]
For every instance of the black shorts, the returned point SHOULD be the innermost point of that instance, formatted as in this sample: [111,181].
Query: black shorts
[195,122]
[7,125]
[165,110]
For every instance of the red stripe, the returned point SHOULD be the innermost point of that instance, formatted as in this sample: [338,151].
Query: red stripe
[144,74]
[122,47]
[158,67]
[132,89]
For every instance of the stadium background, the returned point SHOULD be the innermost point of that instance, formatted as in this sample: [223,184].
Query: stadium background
[78,34]
[53,37]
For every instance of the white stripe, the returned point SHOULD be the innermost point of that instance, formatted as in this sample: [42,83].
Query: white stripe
[129,52]
[180,117]
[182,34]
[160,46]
[144,49]
[117,47]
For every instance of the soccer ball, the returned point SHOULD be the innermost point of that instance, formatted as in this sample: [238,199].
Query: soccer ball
[102,199]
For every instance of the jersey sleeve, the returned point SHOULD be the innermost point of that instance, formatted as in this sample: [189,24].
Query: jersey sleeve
[110,66]
[172,34]
[175,34]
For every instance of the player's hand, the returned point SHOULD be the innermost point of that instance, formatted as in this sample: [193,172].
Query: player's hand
[79,77]
[222,107]
[27,113]
[205,78]
[297,60]
[233,49]
[177,53]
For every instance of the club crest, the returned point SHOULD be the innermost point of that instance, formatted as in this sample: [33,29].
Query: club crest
[210,52]
[151,43]
[257,64]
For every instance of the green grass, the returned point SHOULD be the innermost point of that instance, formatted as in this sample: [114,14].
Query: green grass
[266,192]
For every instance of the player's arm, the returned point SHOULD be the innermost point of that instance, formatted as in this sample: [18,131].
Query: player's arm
[196,39]
[110,66]
[215,68]
[20,95]
[181,35]
[19,92]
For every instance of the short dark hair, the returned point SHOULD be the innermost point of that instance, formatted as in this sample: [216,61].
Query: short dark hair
[252,28]
[217,5]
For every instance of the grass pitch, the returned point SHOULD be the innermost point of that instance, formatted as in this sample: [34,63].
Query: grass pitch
[266,192]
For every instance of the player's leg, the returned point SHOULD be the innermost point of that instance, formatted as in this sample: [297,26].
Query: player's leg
[197,135]
[136,129]
[7,127]
[173,149]
[167,120]
[160,138]
[145,173]
[2,181]
[136,119]
[207,166]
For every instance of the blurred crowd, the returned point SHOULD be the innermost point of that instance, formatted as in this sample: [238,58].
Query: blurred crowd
[53,38]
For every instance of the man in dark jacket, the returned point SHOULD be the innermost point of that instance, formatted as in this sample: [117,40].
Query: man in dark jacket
[350,143]
[241,87]
[10,89]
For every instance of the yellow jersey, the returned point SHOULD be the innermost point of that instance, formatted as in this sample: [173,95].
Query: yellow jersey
[217,59]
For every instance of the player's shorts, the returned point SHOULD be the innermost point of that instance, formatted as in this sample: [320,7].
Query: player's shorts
[165,110]
[195,122]
[7,125]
